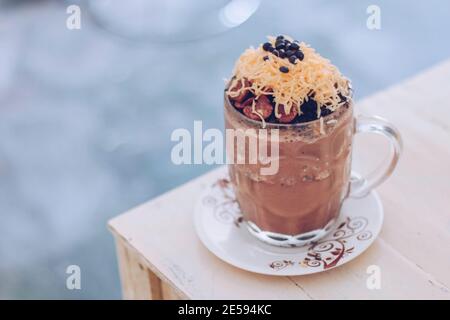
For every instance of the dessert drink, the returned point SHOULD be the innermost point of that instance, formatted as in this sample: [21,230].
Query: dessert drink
[284,84]
[312,179]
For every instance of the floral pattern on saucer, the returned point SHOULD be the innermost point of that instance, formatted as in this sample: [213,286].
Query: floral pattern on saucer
[219,221]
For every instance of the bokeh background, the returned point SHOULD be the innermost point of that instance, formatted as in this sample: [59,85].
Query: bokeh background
[86,115]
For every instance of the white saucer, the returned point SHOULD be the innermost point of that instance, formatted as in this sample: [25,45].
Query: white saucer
[218,223]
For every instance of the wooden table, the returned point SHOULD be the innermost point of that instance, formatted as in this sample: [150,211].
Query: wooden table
[160,256]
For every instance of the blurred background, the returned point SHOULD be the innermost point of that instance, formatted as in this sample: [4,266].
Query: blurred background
[86,114]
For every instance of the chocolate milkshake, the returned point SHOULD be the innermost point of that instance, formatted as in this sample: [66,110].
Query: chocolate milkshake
[284,84]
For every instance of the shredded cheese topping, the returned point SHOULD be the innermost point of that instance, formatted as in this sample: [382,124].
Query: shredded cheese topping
[258,114]
[313,77]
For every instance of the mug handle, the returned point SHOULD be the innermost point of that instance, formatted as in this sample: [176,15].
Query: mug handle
[361,186]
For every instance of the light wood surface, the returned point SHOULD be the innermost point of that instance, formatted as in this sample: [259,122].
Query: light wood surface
[160,255]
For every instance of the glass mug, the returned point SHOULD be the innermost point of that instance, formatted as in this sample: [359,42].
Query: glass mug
[300,203]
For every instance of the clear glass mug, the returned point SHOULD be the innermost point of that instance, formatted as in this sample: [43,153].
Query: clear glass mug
[301,201]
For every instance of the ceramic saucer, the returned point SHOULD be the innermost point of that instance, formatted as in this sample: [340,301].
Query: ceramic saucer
[220,227]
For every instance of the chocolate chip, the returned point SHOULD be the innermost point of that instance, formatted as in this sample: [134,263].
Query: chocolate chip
[284,69]
[292,59]
[280,45]
[299,55]
[266,46]
[325,112]
[290,53]
[309,107]
[294,46]
[342,97]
